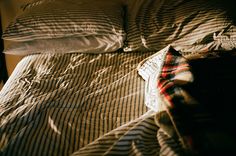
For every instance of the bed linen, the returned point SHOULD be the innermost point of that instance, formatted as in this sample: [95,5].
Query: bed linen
[87,104]
[196,28]
[84,27]
[59,104]
[59,19]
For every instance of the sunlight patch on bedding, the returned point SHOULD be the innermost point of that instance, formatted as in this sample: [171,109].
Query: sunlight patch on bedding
[144,41]
[53,126]
[3,141]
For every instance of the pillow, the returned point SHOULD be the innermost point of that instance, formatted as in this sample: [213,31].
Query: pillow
[34,3]
[83,44]
[190,26]
[63,19]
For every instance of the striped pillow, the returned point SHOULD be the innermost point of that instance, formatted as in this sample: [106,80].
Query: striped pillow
[190,26]
[83,44]
[34,3]
[57,19]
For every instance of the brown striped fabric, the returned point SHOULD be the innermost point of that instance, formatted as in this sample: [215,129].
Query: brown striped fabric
[34,3]
[190,26]
[80,104]
[59,104]
[57,19]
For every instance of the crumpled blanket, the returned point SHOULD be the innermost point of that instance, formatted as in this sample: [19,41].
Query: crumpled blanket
[193,100]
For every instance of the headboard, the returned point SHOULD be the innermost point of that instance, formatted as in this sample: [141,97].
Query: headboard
[8,10]
[3,71]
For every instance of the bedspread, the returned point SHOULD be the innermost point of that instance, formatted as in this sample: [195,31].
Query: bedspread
[61,103]
[86,104]
[81,104]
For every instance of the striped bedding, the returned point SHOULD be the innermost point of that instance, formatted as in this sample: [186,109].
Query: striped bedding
[79,104]
[193,27]
[58,19]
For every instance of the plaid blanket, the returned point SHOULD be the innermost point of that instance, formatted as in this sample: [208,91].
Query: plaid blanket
[193,94]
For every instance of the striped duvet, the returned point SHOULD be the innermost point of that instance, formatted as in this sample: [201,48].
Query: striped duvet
[80,104]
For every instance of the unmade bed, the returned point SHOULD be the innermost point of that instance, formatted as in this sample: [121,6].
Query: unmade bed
[119,78]
[68,101]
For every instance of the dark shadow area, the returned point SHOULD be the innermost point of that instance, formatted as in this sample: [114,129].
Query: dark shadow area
[214,88]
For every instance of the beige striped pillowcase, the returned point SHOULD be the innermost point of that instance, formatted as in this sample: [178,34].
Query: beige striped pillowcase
[57,19]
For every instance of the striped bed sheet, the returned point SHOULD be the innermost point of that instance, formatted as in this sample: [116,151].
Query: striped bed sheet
[72,104]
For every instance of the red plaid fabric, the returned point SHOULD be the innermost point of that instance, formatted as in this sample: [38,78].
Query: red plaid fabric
[169,85]
[196,95]
[174,65]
